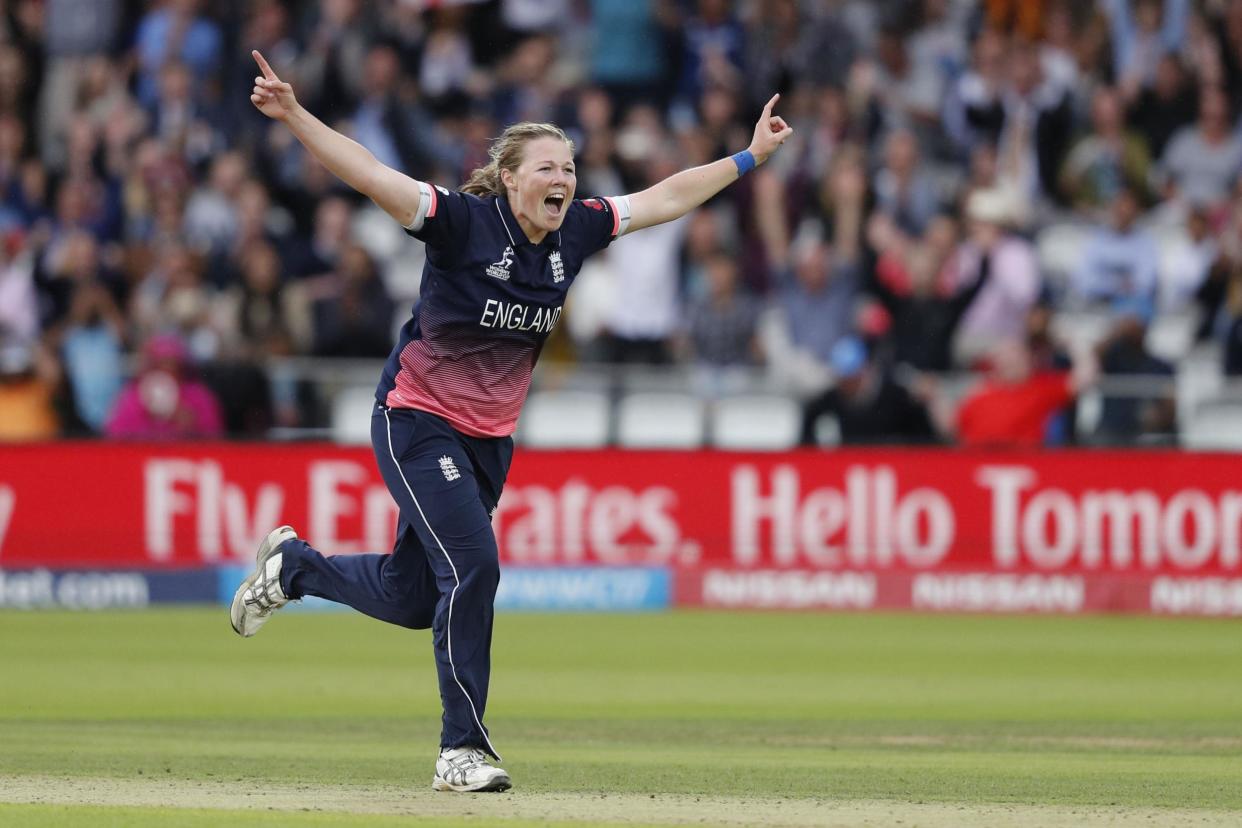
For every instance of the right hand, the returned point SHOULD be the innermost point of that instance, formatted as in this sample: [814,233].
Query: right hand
[272,96]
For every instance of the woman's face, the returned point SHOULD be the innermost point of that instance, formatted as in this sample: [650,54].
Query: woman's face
[542,186]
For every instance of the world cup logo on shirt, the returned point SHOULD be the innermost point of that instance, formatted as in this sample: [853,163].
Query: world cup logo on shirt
[558,269]
[500,269]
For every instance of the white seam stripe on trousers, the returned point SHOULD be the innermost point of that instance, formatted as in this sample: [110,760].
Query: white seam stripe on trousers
[452,595]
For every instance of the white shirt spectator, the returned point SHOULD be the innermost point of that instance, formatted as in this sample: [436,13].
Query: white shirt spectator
[1184,264]
[647,305]
[19,304]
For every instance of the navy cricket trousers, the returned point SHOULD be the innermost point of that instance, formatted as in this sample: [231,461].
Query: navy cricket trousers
[443,570]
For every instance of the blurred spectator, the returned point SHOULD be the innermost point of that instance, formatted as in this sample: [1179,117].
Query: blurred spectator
[903,188]
[1023,16]
[720,326]
[211,211]
[330,71]
[1164,107]
[938,50]
[171,32]
[1106,159]
[524,90]
[70,263]
[900,97]
[187,124]
[173,298]
[28,380]
[1013,280]
[1186,259]
[1119,261]
[714,42]
[647,309]
[1142,32]
[163,401]
[356,319]
[868,405]
[974,111]
[629,48]
[1035,126]
[19,302]
[1202,162]
[785,43]
[380,121]
[447,68]
[1015,404]
[1135,417]
[811,313]
[261,316]
[92,343]
[910,283]
[75,32]
[329,237]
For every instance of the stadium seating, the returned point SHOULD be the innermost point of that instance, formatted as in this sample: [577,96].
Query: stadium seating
[1215,427]
[660,420]
[565,419]
[351,415]
[755,422]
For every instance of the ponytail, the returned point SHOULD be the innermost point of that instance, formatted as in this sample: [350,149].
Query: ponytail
[484,181]
[506,154]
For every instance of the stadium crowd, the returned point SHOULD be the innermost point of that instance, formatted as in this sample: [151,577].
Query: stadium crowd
[162,245]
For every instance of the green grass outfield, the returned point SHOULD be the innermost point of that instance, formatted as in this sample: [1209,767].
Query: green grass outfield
[162,717]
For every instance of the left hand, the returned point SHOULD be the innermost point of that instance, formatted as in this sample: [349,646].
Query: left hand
[770,132]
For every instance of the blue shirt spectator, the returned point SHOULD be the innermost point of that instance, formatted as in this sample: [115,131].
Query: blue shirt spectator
[628,48]
[175,32]
[1119,262]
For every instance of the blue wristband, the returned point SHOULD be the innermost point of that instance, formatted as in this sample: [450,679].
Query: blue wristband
[745,162]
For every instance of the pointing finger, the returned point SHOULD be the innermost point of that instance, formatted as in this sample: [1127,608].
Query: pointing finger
[767,109]
[263,64]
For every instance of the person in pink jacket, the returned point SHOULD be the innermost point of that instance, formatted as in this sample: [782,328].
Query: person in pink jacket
[163,402]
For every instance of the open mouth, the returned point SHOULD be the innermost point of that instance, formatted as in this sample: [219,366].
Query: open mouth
[555,203]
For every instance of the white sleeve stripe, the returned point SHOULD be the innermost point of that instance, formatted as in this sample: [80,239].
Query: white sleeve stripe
[426,198]
[621,205]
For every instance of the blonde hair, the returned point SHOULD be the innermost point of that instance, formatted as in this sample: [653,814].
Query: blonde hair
[506,154]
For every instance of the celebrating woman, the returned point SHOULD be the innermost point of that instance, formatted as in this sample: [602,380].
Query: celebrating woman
[501,255]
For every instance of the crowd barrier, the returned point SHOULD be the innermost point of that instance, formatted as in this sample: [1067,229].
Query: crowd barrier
[108,524]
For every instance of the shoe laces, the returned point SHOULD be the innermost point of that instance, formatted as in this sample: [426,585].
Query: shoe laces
[472,759]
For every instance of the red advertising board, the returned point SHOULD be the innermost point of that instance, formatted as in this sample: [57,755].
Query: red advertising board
[1100,517]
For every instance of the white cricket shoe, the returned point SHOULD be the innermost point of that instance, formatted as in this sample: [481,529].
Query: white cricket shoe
[260,595]
[467,769]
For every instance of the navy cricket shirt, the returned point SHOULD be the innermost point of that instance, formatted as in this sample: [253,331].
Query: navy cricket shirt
[488,300]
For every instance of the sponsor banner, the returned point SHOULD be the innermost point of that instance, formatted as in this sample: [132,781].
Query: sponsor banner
[572,589]
[110,589]
[228,578]
[98,505]
[983,592]
[584,589]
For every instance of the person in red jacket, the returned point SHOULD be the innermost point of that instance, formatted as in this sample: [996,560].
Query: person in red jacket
[1013,405]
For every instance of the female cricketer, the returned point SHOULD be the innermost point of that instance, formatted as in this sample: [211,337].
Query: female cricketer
[501,255]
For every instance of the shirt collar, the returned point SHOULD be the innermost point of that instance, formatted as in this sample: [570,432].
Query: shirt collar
[514,230]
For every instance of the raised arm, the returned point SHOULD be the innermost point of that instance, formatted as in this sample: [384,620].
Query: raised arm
[679,194]
[395,192]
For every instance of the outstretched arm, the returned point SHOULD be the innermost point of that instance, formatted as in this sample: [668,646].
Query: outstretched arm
[396,193]
[679,194]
